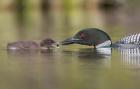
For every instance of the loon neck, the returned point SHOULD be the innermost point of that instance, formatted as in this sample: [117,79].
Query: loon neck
[107,43]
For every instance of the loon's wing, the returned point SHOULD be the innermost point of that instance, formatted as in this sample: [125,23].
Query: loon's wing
[129,41]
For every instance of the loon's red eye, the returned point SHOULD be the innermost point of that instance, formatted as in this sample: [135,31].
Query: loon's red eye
[82,36]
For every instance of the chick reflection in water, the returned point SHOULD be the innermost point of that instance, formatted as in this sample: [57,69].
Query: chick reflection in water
[130,57]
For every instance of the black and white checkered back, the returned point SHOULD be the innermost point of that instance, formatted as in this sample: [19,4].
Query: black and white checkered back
[135,38]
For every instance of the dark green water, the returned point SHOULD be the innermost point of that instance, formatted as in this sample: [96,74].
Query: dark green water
[67,67]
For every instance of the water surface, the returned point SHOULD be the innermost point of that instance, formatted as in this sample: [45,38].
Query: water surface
[68,67]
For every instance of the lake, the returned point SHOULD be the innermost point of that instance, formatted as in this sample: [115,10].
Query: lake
[68,67]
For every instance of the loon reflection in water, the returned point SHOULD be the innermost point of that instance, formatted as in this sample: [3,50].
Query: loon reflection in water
[130,57]
[94,53]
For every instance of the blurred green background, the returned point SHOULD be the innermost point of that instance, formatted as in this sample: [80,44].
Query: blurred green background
[37,19]
[68,67]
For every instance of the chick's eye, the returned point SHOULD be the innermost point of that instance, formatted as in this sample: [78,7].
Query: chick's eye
[82,36]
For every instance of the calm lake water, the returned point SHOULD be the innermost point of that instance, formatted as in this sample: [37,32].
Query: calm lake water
[68,67]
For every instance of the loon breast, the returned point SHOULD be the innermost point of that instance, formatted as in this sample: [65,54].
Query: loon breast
[129,41]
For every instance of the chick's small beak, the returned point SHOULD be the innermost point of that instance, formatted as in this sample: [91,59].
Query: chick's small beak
[69,41]
[56,45]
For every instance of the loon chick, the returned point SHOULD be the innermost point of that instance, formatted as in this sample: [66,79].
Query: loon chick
[98,38]
[27,45]
[22,45]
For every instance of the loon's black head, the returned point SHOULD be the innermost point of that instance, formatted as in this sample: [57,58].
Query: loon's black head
[89,36]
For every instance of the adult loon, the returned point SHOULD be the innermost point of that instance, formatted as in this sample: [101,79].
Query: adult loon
[98,38]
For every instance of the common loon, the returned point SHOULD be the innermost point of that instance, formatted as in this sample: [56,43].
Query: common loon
[98,38]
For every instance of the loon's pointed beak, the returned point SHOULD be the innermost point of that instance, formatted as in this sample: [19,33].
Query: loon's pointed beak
[69,41]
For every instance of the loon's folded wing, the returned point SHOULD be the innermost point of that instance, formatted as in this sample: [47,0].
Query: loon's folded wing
[129,41]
